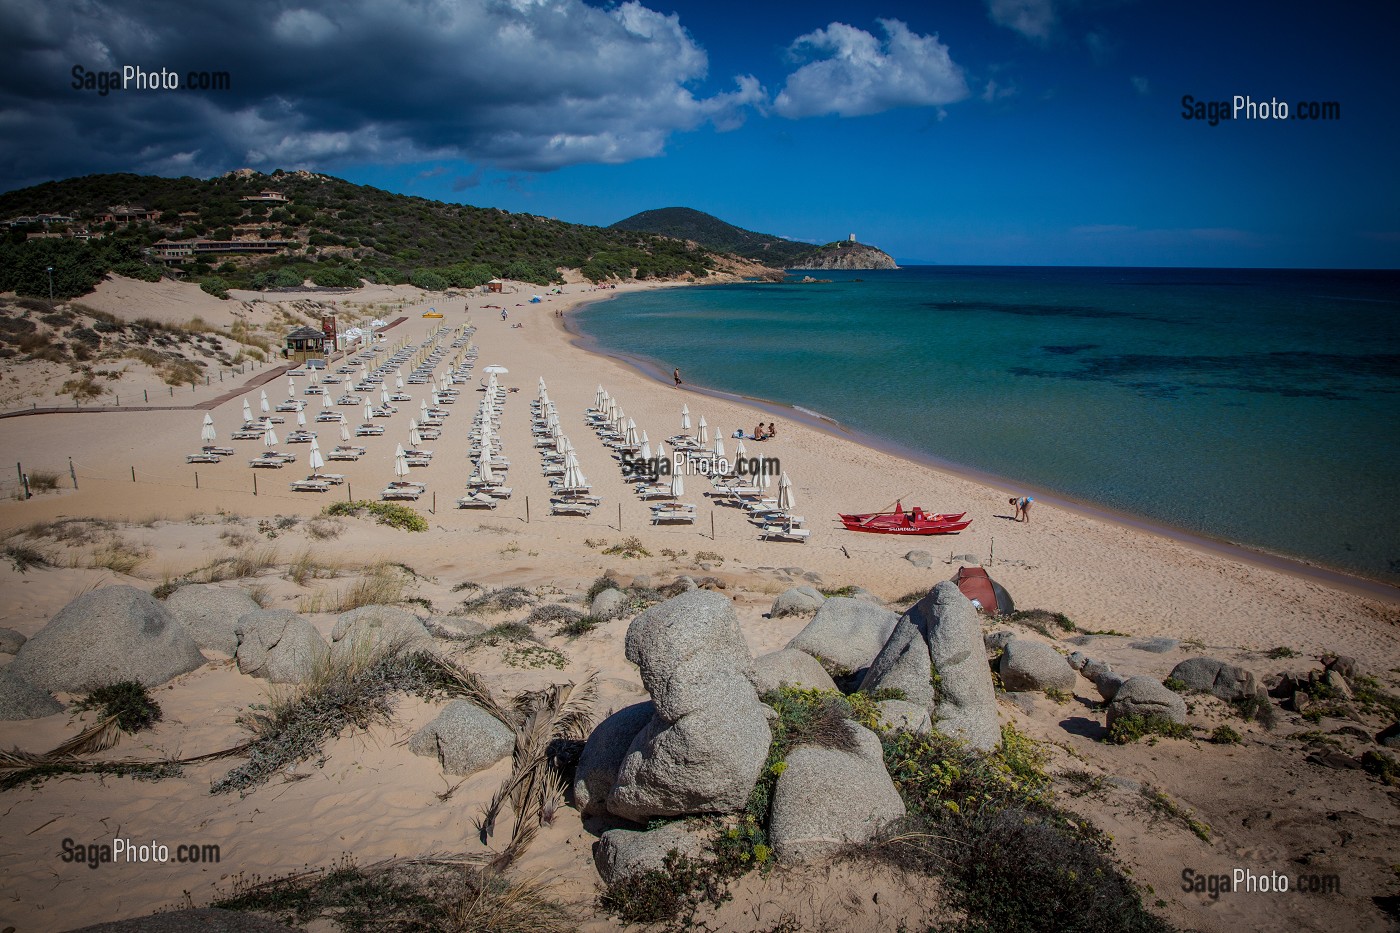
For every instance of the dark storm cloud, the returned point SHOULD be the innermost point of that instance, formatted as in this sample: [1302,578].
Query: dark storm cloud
[528,85]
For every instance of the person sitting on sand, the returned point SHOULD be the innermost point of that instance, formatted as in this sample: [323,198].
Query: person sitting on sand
[758,434]
[772,431]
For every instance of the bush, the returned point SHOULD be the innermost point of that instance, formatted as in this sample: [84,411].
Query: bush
[387,513]
[1128,729]
[128,702]
[1224,735]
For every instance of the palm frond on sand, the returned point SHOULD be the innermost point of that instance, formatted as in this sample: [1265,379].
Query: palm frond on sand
[535,788]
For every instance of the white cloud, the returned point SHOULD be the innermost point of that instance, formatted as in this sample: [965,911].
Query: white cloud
[1034,19]
[857,74]
[302,27]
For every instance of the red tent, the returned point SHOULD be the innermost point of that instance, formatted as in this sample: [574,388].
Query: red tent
[991,595]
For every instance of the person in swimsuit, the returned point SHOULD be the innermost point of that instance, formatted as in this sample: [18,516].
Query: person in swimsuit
[677,375]
[1025,507]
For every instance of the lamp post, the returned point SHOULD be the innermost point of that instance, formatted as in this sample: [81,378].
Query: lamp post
[50,271]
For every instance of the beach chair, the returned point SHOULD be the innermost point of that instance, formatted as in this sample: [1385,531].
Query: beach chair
[581,509]
[476,500]
[310,484]
[202,458]
[786,532]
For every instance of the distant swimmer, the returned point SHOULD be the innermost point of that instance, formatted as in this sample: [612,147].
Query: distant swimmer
[677,376]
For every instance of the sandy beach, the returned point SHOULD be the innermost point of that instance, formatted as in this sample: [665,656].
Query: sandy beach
[375,800]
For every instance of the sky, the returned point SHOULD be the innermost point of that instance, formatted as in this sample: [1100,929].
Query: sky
[1001,132]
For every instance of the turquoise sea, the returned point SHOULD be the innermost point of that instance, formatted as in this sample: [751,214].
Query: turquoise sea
[1261,407]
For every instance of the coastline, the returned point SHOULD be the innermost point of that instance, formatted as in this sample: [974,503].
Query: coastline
[1285,563]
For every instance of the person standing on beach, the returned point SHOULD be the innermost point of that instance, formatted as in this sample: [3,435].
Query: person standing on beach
[677,376]
[1024,508]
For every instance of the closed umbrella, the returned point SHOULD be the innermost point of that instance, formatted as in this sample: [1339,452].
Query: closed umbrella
[542,387]
[766,473]
[646,447]
[270,437]
[398,381]
[414,438]
[369,412]
[573,476]
[325,401]
[206,432]
[786,501]
[685,417]
[247,411]
[739,450]
[631,435]
[400,465]
[291,387]
[384,397]
[344,431]
[704,437]
[262,402]
[677,484]
[301,419]
[316,460]
[719,444]
[660,450]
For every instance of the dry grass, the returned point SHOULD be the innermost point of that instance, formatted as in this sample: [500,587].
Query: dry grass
[119,556]
[305,567]
[324,528]
[382,585]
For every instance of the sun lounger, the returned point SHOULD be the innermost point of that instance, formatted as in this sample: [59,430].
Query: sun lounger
[310,485]
[476,501]
[786,533]
[202,458]
[570,508]
[266,463]
[408,494]
[369,430]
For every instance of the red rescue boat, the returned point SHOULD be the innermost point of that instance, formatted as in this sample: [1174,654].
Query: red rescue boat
[914,522]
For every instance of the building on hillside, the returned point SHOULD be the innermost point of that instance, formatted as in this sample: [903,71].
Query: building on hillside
[180,250]
[268,197]
[123,214]
[304,343]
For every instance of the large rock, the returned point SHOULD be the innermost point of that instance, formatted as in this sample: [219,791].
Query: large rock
[1107,684]
[602,756]
[1034,665]
[903,664]
[607,604]
[1209,675]
[704,748]
[800,600]
[464,738]
[826,798]
[210,613]
[905,716]
[848,631]
[921,559]
[1146,697]
[10,641]
[792,668]
[279,646]
[622,853]
[19,699]
[370,628]
[113,634]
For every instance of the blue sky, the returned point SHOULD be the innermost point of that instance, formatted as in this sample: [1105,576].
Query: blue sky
[977,131]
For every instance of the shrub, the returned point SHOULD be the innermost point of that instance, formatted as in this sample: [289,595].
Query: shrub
[25,557]
[1045,622]
[128,702]
[1224,735]
[1173,683]
[1280,653]
[628,547]
[386,513]
[1127,729]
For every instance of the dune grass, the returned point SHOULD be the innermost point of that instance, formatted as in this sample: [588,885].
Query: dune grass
[382,585]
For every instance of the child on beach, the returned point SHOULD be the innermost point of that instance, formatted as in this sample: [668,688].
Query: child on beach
[772,431]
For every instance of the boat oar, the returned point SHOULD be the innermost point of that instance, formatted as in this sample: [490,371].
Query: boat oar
[882,511]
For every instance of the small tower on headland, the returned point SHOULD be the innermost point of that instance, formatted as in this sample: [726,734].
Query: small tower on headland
[851,238]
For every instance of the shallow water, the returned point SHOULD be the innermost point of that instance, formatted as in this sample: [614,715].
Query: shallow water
[1256,406]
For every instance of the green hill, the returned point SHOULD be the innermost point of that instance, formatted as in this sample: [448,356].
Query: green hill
[711,233]
[342,233]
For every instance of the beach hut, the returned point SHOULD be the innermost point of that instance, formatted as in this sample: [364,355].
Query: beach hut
[304,344]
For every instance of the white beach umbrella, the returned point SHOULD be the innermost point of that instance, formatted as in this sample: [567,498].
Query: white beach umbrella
[482,473]
[561,444]
[677,484]
[344,431]
[400,465]
[739,450]
[315,444]
[766,473]
[631,435]
[573,476]
[543,388]
[247,411]
[646,447]
[301,419]
[786,501]
[494,369]
[398,450]
[660,450]
[598,397]
[685,417]
[384,396]
[316,460]
[270,437]
[207,433]
[398,382]
[262,402]
[291,387]
[325,401]
[414,438]
[436,401]
[369,411]
[704,436]
[719,443]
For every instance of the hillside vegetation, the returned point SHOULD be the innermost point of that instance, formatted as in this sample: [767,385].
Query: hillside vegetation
[344,233]
[711,233]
